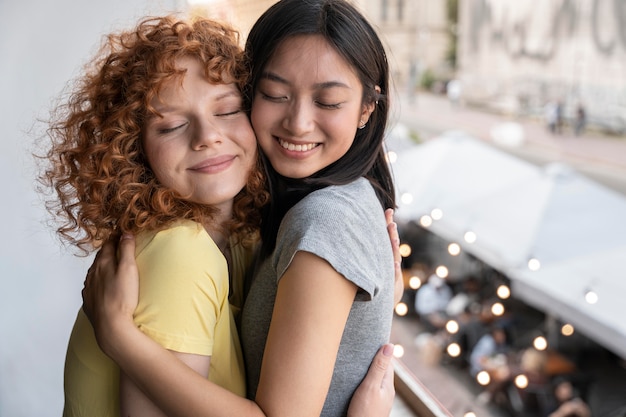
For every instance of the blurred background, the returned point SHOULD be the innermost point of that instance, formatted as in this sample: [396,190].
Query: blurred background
[507,143]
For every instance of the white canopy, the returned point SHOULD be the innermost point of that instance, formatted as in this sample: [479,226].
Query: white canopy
[587,291]
[573,227]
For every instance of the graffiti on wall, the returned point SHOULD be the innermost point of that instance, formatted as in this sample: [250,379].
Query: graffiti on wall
[566,37]
[565,19]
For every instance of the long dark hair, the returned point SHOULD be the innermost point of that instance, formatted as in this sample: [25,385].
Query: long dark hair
[345,29]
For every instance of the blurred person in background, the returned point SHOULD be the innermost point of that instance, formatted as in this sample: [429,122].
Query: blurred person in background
[568,400]
[491,355]
[431,301]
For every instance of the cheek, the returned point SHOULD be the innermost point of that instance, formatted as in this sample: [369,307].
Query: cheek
[160,164]
[260,116]
[343,131]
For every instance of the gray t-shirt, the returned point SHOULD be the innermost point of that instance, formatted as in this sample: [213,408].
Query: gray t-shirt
[345,225]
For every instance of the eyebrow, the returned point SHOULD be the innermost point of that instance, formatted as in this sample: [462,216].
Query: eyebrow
[162,107]
[228,94]
[327,84]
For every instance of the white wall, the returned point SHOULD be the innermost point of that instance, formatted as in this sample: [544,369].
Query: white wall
[42,45]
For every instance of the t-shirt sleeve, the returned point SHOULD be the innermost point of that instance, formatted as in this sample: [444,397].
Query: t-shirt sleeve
[342,231]
[183,288]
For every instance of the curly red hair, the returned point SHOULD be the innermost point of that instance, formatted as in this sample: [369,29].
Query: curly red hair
[96,163]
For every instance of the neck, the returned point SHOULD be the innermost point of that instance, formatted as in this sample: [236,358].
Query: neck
[216,228]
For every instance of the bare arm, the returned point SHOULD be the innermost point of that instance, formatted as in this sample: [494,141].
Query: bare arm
[133,402]
[304,327]
[110,297]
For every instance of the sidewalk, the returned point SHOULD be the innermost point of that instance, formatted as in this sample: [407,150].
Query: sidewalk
[600,156]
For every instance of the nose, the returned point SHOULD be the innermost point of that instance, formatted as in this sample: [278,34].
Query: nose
[299,118]
[205,134]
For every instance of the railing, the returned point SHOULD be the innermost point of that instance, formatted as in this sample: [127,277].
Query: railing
[416,396]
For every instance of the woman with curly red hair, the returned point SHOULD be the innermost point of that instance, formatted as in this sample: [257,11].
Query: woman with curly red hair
[153,141]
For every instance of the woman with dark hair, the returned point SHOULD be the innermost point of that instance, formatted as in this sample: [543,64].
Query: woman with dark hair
[321,301]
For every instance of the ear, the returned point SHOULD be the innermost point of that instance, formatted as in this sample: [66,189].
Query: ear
[368,109]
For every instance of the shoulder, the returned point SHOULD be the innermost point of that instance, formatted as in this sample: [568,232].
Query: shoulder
[183,242]
[179,234]
[357,198]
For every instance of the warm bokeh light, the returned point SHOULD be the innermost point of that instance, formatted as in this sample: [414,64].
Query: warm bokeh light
[392,157]
[454,350]
[454,249]
[436,214]
[521,381]
[567,329]
[406,198]
[540,343]
[470,237]
[591,297]
[497,309]
[483,378]
[469,414]
[534,264]
[503,292]
[398,351]
[405,250]
[442,271]
[452,326]
[415,282]
[426,221]
[402,309]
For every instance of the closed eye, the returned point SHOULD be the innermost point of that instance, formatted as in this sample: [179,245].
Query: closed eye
[167,130]
[229,113]
[329,106]
[275,99]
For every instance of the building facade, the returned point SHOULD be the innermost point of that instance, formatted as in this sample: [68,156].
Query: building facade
[415,33]
[517,56]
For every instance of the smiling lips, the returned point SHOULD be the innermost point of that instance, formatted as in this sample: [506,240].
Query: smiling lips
[296,148]
[214,165]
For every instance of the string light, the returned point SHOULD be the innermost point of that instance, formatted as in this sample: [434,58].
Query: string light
[405,250]
[503,292]
[426,221]
[452,326]
[521,381]
[454,249]
[402,309]
[540,343]
[436,214]
[483,378]
[470,237]
[398,351]
[534,264]
[406,198]
[497,309]
[591,297]
[567,329]
[442,271]
[415,282]
[454,350]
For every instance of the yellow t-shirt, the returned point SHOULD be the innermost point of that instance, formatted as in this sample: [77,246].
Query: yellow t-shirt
[183,305]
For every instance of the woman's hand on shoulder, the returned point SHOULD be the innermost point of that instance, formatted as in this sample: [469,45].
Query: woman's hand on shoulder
[375,396]
[394,238]
[111,290]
